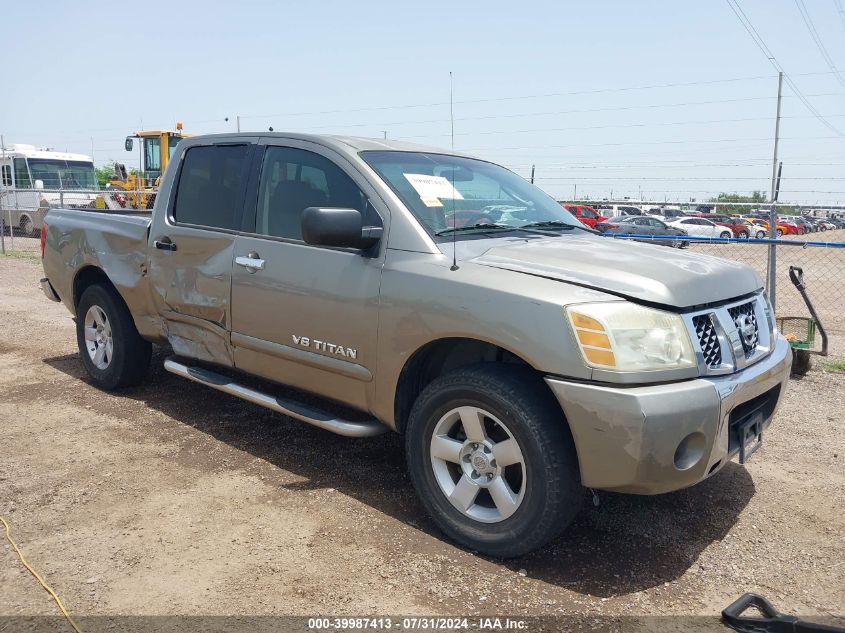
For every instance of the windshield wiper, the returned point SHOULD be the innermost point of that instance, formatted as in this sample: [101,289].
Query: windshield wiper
[555,224]
[480,226]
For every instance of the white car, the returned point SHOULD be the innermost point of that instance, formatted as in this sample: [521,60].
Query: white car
[699,227]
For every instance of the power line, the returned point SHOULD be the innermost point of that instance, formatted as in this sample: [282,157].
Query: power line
[761,44]
[611,126]
[805,15]
[839,10]
[680,142]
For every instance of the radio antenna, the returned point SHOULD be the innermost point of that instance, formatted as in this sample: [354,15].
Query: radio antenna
[454,217]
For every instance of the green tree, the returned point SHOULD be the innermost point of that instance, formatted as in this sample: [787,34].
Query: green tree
[104,174]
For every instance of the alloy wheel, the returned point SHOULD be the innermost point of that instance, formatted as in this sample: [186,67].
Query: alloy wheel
[478,464]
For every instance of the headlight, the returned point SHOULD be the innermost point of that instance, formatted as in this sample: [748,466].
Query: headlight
[623,336]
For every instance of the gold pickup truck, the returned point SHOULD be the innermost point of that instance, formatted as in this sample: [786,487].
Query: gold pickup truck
[524,357]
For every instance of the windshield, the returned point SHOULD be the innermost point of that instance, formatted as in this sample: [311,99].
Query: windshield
[63,174]
[450,191]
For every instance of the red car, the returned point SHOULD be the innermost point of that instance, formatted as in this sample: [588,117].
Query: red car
[588,215]
[792,228]
[737,226]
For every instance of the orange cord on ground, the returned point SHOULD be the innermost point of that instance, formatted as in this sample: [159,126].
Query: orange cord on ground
[38,576]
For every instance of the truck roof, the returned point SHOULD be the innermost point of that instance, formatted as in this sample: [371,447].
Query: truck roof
[344,144]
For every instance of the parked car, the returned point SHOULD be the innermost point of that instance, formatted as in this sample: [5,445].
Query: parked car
[645,225]
[826,225]
[738,227]
[756,229]
[588,215]
[781,228]
[619,209]
[804,225]
[792,228]
[701,227]
[523,358]
[668,213]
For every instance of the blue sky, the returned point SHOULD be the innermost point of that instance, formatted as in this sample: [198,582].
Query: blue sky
[556,84]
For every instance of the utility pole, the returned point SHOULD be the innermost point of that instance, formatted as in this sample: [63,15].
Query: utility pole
[532,174]
[575,192]
[773,213]
[385,134]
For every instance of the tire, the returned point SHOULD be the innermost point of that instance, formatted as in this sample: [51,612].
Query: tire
[27,226]
[760,235]
[779,232]
[744,235]
[514,405]
[119,357]
[725,234]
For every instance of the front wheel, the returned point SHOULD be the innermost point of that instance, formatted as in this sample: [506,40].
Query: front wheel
[779,233]
[491,459]
[725,235]
[760,235]
[113,352]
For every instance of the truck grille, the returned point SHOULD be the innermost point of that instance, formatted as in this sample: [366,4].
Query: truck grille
[746,324]
[708,340]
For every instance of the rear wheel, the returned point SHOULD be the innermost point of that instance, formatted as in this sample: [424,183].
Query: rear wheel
[113,352]
[491,459]
[27,226]
[760,235]
[725,234]
[780,233]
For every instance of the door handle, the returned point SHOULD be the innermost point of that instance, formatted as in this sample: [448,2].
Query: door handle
[251,262]
[164,244]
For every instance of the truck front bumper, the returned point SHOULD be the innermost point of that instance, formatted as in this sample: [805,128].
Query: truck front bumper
[659,438]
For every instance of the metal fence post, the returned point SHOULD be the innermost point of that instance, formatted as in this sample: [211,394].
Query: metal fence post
[2,229]
[772,267]
[11,232]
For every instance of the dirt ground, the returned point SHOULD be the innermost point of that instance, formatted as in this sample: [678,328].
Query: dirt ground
[174,499]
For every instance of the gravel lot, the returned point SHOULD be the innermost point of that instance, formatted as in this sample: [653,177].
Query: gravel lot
[175,499]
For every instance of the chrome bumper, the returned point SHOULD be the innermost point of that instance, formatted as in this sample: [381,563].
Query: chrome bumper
[658,438]
[48,291]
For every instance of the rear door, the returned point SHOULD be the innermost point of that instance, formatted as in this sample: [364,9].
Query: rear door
[306,316]
[191,247]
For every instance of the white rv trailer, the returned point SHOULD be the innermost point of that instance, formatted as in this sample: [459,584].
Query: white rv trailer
[32,180]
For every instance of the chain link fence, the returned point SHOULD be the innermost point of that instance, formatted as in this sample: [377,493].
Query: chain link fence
[22,212]
[821,255]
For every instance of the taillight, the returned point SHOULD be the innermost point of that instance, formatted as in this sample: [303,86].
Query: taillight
[43,238]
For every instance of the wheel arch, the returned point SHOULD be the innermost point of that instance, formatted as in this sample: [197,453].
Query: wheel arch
[442,355]
[88,276]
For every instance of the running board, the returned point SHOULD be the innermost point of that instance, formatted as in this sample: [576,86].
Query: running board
[291,408]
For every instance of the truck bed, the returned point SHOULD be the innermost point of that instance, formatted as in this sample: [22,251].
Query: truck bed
[115,243]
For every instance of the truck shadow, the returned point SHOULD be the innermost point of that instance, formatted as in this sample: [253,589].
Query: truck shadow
[626,544]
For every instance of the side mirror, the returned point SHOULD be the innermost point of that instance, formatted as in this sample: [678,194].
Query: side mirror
[128,144]
[338,227]
[39,184]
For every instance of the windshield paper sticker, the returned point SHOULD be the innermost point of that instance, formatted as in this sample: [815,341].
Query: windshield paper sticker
[433,188]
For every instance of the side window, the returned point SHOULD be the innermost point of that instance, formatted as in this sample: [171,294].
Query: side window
[587,213]
[22,174]
[210,191]
[293,180]
[7,175]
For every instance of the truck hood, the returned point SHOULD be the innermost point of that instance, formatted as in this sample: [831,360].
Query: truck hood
[644,272]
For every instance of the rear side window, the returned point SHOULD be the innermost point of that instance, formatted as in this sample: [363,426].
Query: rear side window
[211,186]
[7,175]
[588,213]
